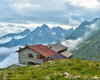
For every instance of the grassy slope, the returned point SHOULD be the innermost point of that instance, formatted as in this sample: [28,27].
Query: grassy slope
[90,48]
[54,70]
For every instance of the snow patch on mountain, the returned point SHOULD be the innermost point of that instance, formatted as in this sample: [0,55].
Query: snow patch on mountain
[19,37]
[53,33]
[5,40]
[8,39]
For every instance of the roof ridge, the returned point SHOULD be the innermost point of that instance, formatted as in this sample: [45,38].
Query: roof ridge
[45,49]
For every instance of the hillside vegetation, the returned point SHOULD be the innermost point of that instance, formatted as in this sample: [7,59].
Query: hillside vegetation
[90,48]
[68,69]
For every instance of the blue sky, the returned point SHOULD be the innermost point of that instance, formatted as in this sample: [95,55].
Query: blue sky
[61,12]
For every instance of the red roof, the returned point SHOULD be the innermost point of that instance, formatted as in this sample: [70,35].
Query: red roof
[41,49]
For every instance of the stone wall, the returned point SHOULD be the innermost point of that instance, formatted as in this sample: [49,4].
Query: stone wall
[24,59]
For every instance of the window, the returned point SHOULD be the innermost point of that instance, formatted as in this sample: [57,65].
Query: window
[40,57]
[30,56]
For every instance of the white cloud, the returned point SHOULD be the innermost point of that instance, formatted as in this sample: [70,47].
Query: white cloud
[25,7]
[10,60]
[63,26]
[62,12]
[86,3]
[72,44]
[6,28]
[73,21]
[9,56]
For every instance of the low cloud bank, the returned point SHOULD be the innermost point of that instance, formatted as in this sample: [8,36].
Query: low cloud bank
[11,59]
[72,44]
[8,57]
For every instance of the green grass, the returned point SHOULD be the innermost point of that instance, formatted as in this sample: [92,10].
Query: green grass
[54,70]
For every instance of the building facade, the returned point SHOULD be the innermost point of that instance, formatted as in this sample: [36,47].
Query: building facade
[38,54]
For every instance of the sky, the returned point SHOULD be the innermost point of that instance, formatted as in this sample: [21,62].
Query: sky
[55,12]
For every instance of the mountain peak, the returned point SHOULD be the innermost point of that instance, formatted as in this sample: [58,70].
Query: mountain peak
[27,30]
[45,26]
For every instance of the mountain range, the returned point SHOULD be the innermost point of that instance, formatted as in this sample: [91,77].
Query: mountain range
[46,35]
[40,35]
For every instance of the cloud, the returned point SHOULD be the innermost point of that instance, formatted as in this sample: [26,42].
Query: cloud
[10,60]
[8,56]
[62,12]
[72,44]
[24,7]
[85,3]
[5,52]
